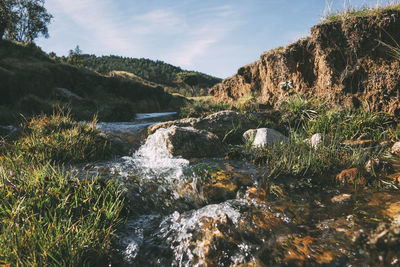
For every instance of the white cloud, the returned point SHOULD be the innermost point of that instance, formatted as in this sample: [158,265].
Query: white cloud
[95,16]
[157,21]
[181,35]
[213,26]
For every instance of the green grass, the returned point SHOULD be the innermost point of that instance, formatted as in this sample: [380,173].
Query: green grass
[51,218]
[304,117]
[352,124]
[360,12]
[59,139]
[48,217]
[202,106]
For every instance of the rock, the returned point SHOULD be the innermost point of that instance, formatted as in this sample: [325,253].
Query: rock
[188,122]
[376,166]
[314,71]
[249,135]
[316,140]
[67,94]
[351,176]
[267,136]
[359,143]
[9,132]
[257,195]
[341,198]
[373,166]
[191,143]
[229,125]
[396,149]
[395,177]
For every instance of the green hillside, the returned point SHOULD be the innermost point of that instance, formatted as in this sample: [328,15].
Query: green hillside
[174,79]
[30,78]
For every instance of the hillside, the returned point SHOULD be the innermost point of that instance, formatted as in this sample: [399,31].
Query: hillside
[347,61]
[176,79]
[29,79]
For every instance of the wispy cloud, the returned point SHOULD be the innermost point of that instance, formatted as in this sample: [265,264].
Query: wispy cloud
[210,26]
[181,34]
[97,18]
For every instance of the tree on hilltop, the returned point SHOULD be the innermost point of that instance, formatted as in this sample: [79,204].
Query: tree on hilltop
[23,20]
[6,15]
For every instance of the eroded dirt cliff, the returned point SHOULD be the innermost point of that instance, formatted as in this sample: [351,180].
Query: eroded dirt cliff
[347,62]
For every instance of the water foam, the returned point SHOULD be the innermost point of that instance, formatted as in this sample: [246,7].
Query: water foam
[153,161]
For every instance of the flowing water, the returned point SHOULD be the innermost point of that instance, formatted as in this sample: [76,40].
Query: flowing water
[212,212]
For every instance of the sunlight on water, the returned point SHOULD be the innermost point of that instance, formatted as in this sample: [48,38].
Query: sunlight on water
[153,161]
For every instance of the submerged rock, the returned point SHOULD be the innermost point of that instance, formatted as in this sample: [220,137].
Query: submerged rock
[191,143]
[350,177]
[341,198]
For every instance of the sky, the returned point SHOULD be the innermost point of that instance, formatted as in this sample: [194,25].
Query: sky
[216,37]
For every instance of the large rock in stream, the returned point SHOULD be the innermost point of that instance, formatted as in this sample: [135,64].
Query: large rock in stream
[191,143]
[225,124]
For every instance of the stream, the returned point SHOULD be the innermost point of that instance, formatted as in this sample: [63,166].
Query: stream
[213,212]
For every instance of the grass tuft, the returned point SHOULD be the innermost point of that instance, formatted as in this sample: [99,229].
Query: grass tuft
[60,139]
[48,217]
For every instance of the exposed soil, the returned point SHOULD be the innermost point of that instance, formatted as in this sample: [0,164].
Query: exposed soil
[347,62]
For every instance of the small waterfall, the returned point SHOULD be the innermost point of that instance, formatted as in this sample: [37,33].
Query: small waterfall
[153,161]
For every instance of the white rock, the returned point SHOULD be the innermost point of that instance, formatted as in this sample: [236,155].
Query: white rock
[249,135]
[267,136]
[316,140]
[396,149]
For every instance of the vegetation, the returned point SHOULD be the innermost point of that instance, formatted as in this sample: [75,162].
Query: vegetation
[23,20]
[60,139]
[302,118]
[352,12]
[48,217]
[174,79]
[201,106]
[29,78]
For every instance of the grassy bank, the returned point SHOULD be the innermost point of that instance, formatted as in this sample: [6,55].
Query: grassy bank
[350,139]
[47,215]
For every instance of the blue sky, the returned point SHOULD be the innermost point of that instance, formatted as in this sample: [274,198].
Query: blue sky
[212,36]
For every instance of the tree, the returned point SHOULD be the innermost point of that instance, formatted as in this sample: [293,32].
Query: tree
[25,20]
[75,56]
[6,15]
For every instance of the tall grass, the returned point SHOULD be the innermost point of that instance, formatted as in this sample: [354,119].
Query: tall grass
[48,217]
[351,11]
[60,139]
[299,159]
[51,218]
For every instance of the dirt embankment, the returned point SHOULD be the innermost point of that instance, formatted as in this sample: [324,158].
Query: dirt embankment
[347,62]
